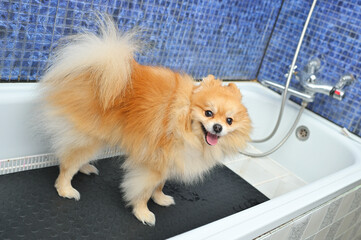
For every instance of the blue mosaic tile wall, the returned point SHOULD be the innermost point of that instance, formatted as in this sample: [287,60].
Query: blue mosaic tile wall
[333,35]
[226,38]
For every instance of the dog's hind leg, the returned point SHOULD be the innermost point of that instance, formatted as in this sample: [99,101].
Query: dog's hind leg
[160,198]
[138,186]
[88,169]
[71,162]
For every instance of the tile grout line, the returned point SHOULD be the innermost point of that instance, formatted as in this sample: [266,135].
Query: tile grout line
[272,179]
[352,225]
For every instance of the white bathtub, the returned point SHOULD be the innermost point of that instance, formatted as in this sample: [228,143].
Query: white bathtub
[328,162]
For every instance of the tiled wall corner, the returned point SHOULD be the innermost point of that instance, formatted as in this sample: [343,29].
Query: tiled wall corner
[334,36]
[338,219]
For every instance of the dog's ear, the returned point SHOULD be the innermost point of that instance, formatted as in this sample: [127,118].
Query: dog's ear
[234,89]
[209,78]
[209,81]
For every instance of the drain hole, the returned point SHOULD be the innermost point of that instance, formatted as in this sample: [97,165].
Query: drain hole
[302,133]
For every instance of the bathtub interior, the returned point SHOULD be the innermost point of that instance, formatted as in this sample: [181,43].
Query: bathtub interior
[265,174]
[297,163]
[294,165]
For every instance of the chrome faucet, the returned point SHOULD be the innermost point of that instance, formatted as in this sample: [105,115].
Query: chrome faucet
[308,80]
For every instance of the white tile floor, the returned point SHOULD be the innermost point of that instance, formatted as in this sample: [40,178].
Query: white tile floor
[265,174]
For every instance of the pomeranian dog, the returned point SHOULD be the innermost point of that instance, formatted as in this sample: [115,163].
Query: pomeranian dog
[168,125]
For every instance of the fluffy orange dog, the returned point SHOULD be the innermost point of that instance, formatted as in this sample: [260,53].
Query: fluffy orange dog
[96,94]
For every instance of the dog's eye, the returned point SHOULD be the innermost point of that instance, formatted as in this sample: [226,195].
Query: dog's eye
[208,113]
[229,121]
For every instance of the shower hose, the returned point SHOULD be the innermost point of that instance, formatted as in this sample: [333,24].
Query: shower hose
[284,98]
[303,106]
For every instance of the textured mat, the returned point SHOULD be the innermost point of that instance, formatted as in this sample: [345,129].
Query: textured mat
[31,209]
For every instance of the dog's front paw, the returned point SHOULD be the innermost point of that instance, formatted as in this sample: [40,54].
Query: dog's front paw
[88,169]
[68,192]
[145,216]
[163,200]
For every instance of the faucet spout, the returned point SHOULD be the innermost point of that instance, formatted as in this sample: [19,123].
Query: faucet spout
[317,88]
[312,88]
[308,80]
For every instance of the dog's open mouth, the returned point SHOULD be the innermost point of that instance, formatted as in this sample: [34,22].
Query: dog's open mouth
[211,139]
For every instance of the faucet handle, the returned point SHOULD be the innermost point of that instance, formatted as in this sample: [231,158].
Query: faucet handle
[337,91]
[345,80]
[293,70]
[313,65]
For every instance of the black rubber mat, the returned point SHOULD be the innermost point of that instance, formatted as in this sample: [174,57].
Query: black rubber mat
[31,209]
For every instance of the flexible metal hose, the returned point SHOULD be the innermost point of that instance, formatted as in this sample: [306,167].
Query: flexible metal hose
[289,77]
[303,106]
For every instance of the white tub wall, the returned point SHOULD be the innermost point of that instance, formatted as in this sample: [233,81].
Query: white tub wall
[337,219]
[20,134]
[323,132]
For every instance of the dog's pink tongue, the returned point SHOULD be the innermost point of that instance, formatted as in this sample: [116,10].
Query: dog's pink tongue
[212,139]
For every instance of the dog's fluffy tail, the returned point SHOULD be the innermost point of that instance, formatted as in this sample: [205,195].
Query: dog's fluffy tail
[105,57]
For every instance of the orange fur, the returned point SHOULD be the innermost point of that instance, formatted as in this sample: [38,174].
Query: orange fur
[153,114]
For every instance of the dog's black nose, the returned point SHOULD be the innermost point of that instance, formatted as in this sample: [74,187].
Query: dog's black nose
[217,128]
